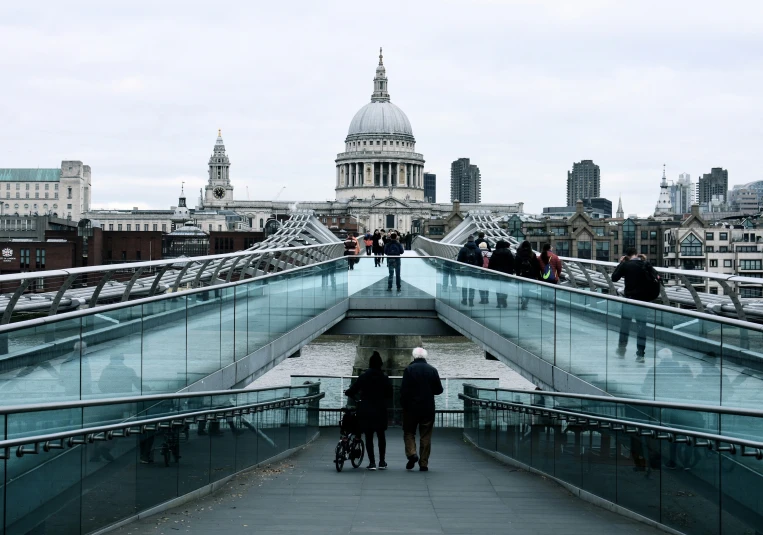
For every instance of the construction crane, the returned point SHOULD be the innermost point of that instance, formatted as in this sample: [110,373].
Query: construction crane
[279,193]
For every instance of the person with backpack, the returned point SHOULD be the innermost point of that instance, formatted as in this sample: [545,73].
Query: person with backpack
[351,249]
[469,254]
[393,251]
[550,265]
[484,294]
[526,265]
[642,283]
[502,260]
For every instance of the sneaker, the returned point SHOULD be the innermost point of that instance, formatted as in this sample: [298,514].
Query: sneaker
[371,466]
[423,469]
[146,461]
[389,289]
[670,465]
[399,289]
[463,301]
[382,465]
[412,460]
[620,352]
[639,358]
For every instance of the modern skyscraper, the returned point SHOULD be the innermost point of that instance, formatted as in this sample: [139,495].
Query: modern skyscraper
[430,187]
[583,182]
[714,184]
[683,194]
[465,182]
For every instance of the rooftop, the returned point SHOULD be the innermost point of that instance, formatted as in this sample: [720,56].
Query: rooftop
[30,175]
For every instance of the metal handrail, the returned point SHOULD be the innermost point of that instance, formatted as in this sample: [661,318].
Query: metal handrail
[143,300]
[718,409]
[671,434]
[624,300]
[125,429]
[77,404]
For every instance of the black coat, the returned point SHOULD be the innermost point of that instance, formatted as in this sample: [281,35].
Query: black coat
[421,383]
[480,240]
[519,259]
[463,254]
[635,275]
[372,392]
[502,260]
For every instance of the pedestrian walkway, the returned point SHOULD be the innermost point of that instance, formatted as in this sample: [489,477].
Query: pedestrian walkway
[465,492]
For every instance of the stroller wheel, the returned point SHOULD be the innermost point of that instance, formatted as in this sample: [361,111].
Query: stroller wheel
[339,457]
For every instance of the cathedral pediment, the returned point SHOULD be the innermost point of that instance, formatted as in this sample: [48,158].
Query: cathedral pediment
[389,203]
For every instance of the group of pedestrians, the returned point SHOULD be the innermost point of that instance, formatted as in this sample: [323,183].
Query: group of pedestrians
[526,264]
[372,392]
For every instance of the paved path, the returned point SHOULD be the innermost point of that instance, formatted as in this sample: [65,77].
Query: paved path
[465,491]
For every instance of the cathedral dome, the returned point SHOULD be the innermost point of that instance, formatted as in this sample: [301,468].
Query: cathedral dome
[380,117]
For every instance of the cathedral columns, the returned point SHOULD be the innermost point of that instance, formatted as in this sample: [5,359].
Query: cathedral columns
[337,176]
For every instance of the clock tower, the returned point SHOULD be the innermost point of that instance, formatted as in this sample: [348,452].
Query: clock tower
[219,191]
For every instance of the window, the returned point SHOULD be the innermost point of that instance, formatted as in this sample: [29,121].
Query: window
[47,186]
[652,234]
[24,255]
[629,234]
[599,231]
[55,187]
[584,250]
[378,142]
[46,194]
[164,227]
[156,227]
[562,248]
[644,249]
[728,263]
[128,226]
[70,193]
[709,248]
[652,249]
[68,206]
[333,219]
[27,186]
[691,246]
[723,249]
[56,196]
[615,249]
[262,222]
[713,263]
[602,251]
[709,235]
[750,292]
[17,194]
[751,264]
[714,290]
[747,249]
[341,220]
[119,226]
[36,186]
[111,226]
[26,195]
[40,259]
[723,236]
[36,195]
[644,235]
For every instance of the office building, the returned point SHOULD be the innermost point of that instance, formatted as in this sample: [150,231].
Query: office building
[465,182]
[583,182]
[714,184]
[430,187]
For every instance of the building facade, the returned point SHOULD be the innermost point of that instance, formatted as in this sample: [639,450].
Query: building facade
[714,184]
[60,192]
[430,187]
[465,182]
[583,182]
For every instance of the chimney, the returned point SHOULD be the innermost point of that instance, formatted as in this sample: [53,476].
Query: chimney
[456,206]
[695,210]
[579,207]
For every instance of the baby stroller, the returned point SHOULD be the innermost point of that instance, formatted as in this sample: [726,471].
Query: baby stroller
[350,445]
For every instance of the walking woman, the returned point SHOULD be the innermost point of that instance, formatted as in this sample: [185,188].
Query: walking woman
[372,392]
[377,247]
[526,265]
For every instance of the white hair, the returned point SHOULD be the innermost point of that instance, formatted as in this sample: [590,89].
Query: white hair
[420,353]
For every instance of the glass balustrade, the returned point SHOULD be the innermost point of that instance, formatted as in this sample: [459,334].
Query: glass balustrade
[690,487]
[87,487]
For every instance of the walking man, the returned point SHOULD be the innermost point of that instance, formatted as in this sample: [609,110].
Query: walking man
[421,383]
[469,254]
[637,274]
[393,250]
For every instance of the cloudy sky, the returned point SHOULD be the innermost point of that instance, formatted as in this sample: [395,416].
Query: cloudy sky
[524,88]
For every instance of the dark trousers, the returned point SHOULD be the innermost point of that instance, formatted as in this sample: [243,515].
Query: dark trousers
[377,259]
[350,258]
[370,444]
[467,291]
[625,327]
[368,250]
[411,421]
[394,269]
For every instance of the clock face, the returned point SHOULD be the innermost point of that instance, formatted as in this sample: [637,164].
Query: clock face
[219,192]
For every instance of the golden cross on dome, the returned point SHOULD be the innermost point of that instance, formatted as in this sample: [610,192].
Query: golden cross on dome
[219,132]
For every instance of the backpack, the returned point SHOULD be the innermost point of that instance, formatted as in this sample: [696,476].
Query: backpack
[526,268]
[349,244]
[473,257]
[485,260]
[549,273]
[650,289]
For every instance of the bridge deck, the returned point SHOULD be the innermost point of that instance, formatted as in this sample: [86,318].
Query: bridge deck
[465,491]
